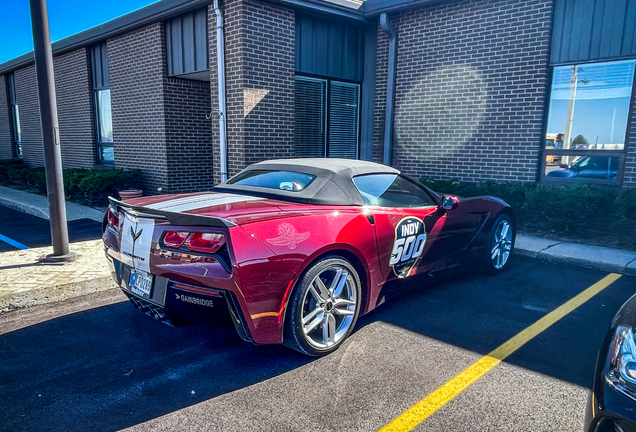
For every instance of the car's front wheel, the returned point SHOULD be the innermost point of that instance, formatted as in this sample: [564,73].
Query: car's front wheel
[500,244]
[323,308]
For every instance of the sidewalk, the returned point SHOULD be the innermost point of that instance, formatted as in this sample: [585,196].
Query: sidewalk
[602,258]
[38,205]
[24,281]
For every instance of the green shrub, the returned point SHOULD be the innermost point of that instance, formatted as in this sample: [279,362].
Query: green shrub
[73,176]
[626,204]
[84,185]
[98,185]
[604,215]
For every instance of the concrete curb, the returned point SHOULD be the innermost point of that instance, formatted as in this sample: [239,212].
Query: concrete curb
[24,207]
[38,205]
[597,257]
[19,300]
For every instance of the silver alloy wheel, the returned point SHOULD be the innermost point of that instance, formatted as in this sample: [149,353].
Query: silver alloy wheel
[502,244]
[329,307]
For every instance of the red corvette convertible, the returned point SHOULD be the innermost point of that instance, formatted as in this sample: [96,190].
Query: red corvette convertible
[293,251]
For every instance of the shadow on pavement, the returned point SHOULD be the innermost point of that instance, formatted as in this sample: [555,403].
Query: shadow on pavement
[478,313]
[33,231]
[111,367]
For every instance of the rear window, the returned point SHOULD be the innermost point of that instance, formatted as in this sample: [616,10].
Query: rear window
[281,180]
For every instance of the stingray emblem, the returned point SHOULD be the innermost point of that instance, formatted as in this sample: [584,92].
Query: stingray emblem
[288,236]
[135,235]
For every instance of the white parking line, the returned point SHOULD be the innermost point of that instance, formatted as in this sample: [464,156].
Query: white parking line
[12,242]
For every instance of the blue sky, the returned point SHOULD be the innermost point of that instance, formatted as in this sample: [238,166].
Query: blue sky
[66,17]
[601,101]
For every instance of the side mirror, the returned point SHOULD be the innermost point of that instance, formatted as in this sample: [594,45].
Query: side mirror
[449,202]
[564,166]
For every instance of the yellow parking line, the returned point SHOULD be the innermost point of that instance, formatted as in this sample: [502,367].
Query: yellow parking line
[419,412]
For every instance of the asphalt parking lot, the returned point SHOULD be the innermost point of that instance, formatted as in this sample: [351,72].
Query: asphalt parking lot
[95,363]
[20,230]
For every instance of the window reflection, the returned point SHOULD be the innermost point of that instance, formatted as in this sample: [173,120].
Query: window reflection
[584,168]
[107,154]
[17,130]
[105,118]
[589,106]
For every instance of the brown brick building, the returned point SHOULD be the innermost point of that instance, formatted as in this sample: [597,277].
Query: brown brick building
[505,90]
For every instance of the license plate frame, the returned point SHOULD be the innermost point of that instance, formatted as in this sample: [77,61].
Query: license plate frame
[140,283]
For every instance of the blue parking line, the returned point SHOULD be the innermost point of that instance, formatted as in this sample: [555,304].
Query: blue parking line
[12,242]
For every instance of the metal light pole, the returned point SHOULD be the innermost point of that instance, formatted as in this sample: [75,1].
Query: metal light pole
[50,131]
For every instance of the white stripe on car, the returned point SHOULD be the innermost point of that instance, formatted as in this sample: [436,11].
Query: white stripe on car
[200,201]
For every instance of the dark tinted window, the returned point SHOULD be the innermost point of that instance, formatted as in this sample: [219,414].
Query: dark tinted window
[586,167]
[282,180]
[391,190]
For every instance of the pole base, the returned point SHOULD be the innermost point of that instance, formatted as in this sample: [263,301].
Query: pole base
[69,257]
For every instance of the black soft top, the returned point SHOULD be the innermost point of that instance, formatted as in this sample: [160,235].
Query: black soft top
[332,185]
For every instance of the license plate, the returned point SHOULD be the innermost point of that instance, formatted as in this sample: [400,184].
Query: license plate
[140,282]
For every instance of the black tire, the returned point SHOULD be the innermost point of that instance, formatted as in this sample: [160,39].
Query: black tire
[303,302]
[495,265]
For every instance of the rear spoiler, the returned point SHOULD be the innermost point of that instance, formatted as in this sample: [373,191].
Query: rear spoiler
[183,219]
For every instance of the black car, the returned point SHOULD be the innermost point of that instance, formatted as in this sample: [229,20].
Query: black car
[588,167]
[612,402]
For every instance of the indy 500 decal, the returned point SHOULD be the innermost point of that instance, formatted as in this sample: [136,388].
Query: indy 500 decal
[410,238]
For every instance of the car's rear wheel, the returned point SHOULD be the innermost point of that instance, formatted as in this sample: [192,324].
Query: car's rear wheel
[324,307]
[500,244]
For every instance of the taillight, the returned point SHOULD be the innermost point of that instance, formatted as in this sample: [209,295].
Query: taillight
[175,239]
[113,219]
[206,242]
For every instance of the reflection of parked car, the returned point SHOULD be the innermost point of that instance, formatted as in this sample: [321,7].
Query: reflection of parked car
[294,250]
[612,403]
[589,167]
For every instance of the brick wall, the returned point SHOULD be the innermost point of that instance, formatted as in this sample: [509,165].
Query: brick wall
[269,68]
[260,68]
[471,83]
[75,109]
[136,64]
[6,143]
[214,96]
[629,177]
[188,135]
[27,97]
[382,66]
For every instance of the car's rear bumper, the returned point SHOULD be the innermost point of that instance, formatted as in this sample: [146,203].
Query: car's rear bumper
[175,303]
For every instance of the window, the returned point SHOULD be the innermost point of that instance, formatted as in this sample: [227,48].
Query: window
[392,190]
[15,117]
[588,121]
[187,46]
[102,105]
[283,180]
[327,118]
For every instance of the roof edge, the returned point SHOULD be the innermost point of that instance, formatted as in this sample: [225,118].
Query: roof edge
[373,8]
[141,17]
[347,9]
[162,10]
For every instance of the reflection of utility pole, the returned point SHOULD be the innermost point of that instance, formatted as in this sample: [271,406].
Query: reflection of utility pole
[612,131]
[568,120]
[50,131]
